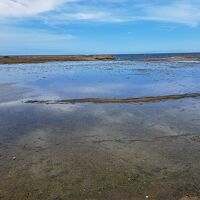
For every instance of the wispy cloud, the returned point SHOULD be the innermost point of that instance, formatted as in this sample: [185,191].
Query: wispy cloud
[37,36]
[9,8]
[29,41]
[180,11]
[98,16]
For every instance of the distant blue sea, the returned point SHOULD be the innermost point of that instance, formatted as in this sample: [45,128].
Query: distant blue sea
[155,55]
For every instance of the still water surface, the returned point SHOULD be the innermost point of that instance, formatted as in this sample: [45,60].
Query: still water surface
[99,151]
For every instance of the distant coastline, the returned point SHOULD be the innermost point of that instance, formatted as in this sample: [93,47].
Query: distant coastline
[43,59]
[160,57]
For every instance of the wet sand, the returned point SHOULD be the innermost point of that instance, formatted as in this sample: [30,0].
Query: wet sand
[100,151]
[43,59]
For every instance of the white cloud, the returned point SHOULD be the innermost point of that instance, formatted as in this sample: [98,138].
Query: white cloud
[178,12]
[27,7]
[86,16]
[63,11]
[100,16]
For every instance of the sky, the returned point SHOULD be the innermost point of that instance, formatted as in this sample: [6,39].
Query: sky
[35,27]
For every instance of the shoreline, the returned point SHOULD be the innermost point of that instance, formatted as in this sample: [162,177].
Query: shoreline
[43,59]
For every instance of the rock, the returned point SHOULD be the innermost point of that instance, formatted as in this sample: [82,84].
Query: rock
[14,158]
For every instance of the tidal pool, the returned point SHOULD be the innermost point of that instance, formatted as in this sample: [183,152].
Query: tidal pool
[99,151]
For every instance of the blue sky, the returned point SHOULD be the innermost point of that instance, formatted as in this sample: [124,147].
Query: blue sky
[99,26]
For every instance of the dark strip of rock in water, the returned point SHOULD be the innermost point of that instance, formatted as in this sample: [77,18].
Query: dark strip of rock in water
[128,100]
[43,59]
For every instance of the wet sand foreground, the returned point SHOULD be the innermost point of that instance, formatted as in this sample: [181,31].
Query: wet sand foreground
[148,150]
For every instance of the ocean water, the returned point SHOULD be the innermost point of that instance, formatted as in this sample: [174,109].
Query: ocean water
[153,55]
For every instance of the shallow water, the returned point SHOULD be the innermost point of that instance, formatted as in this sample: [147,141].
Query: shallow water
[107,79]
[99,151]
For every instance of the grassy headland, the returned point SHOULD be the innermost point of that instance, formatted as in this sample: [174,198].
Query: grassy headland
[43,59]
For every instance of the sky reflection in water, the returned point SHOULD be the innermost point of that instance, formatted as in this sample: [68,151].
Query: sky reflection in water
[110,79]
